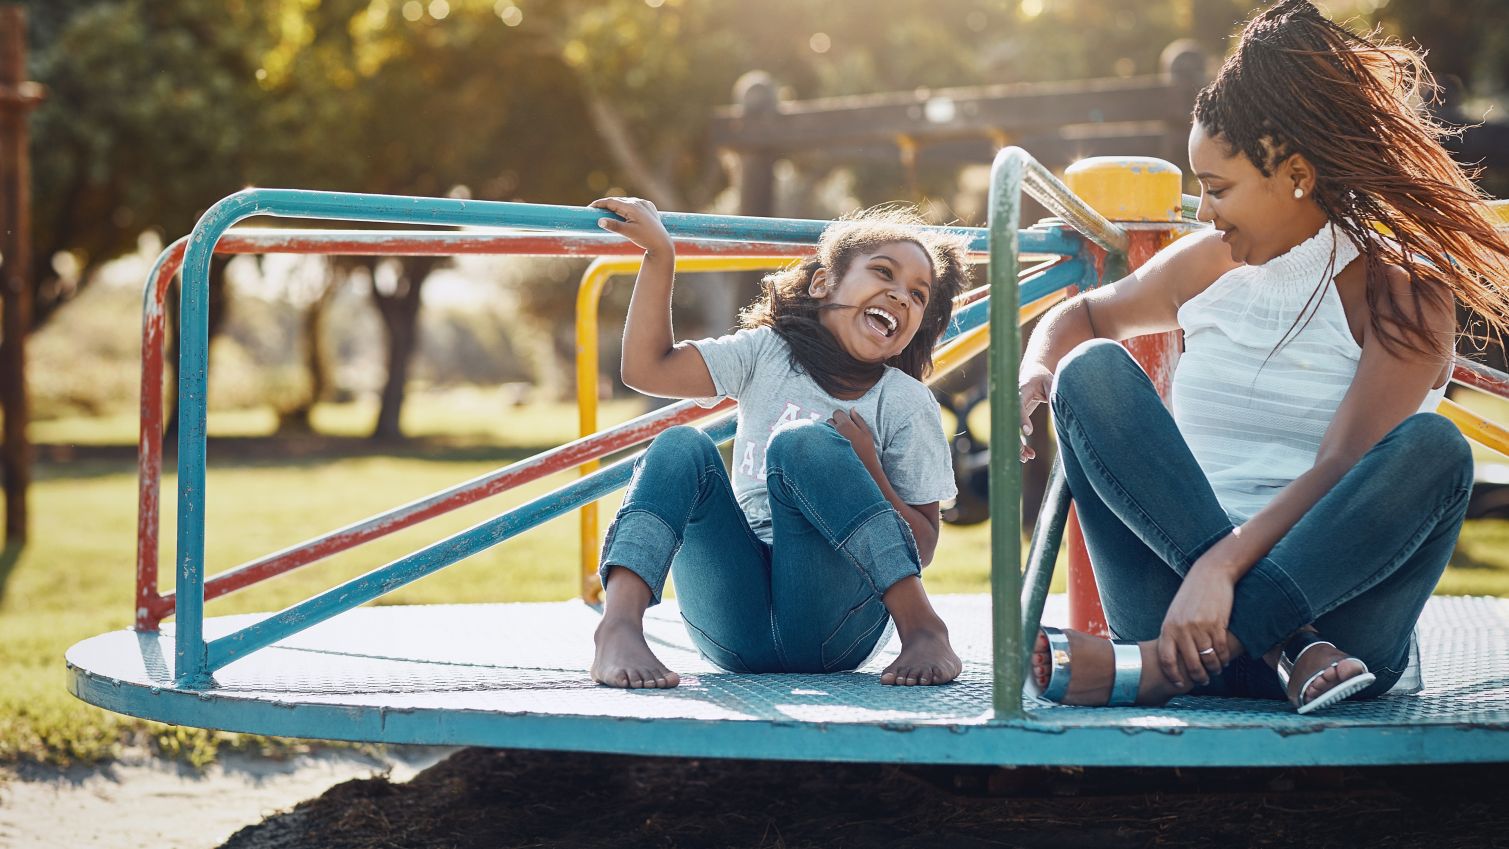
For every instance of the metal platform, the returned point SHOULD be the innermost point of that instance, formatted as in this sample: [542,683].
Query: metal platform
[513,675]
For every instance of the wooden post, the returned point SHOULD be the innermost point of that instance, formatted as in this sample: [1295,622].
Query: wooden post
[758,100]
[1186,67]
[17,98]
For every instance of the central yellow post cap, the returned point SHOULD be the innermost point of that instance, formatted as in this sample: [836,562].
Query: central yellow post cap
[1129,188]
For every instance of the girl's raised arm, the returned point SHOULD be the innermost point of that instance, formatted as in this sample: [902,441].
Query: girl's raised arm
[653,362]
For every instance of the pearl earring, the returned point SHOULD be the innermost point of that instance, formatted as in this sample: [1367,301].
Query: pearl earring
[1298,192]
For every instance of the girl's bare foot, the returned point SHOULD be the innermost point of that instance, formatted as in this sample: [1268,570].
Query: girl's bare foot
[623,658]
[1094,671]
[926,658]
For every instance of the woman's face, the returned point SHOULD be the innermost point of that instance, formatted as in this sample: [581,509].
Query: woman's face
[885,292]
[1259,217]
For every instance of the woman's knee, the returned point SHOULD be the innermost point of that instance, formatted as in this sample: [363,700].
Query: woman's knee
[1432,441]
[1092,371]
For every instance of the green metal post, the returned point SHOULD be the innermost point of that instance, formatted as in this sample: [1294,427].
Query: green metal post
[1005,433]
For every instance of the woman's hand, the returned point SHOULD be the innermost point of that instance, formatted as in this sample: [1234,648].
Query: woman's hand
[640,225]
[1034,382]
[1193,642]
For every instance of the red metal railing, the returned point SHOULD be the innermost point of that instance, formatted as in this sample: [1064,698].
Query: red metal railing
[152,607]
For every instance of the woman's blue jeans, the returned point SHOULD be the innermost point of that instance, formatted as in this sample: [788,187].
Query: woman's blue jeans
[808,602]
[1359,565]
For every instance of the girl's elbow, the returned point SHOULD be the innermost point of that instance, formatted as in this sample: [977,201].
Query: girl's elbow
[926,548]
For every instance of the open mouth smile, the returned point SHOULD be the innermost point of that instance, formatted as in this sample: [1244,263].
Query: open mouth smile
[881,321]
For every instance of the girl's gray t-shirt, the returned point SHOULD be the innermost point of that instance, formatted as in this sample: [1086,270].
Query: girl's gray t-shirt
[754,367]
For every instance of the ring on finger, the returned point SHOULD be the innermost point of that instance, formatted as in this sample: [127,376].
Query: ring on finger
[1207,651]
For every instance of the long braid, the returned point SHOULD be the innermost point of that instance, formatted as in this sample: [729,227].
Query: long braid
[1351,105]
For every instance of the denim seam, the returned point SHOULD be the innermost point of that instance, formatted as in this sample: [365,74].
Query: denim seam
[854,642]
[1068,418]
[705,636]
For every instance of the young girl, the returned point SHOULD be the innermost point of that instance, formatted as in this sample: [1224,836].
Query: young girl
[1278,534]
[802,560]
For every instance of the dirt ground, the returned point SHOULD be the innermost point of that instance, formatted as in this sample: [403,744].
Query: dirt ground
[490,798]
[141,800]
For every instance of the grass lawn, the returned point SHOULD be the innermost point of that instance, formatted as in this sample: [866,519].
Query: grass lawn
[75,579]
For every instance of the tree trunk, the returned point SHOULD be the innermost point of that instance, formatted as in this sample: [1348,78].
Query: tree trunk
[400,318]
[15,275]
[316,357]
[219,310]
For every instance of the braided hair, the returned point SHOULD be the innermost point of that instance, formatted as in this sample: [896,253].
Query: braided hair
[787,306]
[1352,106]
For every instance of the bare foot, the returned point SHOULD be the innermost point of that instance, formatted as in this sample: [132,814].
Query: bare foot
[926,658]
[623,658]
[1338,666]
[1094,671]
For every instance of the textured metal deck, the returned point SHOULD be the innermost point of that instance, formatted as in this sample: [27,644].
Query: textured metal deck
[513,675]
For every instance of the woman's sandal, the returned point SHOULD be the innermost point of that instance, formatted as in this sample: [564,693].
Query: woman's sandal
[1295,649]
[1123,686]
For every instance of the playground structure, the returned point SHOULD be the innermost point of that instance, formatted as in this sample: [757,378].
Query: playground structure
[514,675]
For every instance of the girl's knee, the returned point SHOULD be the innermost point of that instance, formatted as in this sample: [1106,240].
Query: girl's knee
[684,440]
[803,444]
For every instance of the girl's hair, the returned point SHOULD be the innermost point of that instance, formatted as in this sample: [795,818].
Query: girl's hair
[786,305]
[1351,105]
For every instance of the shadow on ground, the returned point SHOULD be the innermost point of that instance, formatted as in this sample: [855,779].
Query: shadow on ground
[489,798]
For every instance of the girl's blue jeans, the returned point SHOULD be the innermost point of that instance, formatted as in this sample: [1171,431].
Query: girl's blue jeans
[1359,565]
[808,602]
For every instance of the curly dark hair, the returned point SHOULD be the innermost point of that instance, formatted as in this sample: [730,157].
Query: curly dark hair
[786,306]
[1352,106]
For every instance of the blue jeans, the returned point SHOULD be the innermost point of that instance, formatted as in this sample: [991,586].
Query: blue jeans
[808,602]
[1359,565]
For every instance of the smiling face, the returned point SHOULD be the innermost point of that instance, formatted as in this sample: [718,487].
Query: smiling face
[1259,216]
[874,308]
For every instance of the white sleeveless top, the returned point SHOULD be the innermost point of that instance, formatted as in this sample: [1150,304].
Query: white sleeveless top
[1254,416]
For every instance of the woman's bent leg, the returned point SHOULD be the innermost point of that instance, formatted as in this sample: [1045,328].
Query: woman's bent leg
[1146,509]
[1144,505]
[1362,563]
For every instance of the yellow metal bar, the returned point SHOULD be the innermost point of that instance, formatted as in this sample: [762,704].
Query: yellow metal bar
[1475,427]
[975,340]
[588,299]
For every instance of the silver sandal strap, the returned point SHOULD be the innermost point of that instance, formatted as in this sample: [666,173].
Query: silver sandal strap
[1058,665]
[1128,673]
[1299,644]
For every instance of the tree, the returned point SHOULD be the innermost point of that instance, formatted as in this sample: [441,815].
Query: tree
[145,125]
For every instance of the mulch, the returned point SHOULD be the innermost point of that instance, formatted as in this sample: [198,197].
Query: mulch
[511,798]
